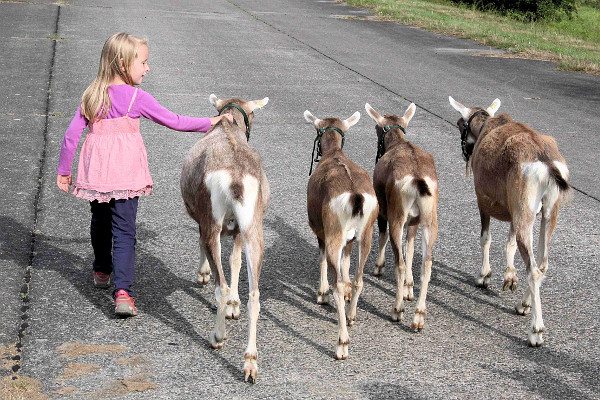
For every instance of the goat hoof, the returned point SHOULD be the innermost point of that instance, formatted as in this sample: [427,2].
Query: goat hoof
[232,310]
[483,283]
[323,298]
[232,315]
[203,279]
[250,368]
[419,320]
[215,342]
[535,339]
[250,375]
[522,309]
[511,284]
[397,314]
[378,270]
[341,352]
[350,321]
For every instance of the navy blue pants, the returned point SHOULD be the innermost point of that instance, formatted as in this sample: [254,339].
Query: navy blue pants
[113,238]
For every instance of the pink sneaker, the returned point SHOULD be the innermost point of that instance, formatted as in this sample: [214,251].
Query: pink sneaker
[124,304]
[101,280]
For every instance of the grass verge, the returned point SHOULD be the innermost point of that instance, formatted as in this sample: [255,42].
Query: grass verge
[573,44]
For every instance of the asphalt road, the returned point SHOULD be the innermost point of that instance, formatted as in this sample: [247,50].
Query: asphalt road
[56,329]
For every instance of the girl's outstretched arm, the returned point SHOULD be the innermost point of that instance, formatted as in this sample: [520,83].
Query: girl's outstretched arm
[147,106]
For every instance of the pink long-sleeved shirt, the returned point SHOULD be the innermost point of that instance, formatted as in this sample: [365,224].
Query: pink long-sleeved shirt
[144,105]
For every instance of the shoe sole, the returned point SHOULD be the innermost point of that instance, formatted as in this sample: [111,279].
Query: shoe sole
[123,310]
[101,285]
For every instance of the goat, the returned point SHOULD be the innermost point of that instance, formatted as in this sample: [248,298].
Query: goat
[517,173]
[226,192]
[406,185]
[342,208]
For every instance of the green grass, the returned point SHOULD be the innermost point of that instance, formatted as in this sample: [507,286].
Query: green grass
[574,44]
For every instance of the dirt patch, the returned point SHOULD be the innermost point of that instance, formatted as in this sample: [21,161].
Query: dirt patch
[66,391]
[6,355]
[70,350]
[133,361]
[75,370]
[122,387]
[22,388]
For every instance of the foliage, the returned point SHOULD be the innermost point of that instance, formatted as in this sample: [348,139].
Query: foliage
[529,10]
[573,43]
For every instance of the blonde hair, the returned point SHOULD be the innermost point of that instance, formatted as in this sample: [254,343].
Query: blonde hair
[118,54]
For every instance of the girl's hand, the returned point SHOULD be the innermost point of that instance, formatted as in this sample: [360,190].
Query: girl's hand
[63,182]
[214,120]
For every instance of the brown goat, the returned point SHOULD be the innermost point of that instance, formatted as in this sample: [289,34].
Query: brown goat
[342,208]
[226,192]
[517,173]
[406,185]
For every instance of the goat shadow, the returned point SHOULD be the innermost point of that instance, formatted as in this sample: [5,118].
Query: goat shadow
[546,358]
[294,281]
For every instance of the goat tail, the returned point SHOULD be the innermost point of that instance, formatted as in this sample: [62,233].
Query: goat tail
[422,187]
[357,201]
[557,177]
[237,191]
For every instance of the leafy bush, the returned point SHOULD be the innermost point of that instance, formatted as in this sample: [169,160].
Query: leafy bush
[531,10]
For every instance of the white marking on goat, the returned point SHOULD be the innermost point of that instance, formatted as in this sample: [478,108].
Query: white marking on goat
[562,168]
[426,202]
[431,184]
[249,266]
[352,226]
[219,186]
[369,205]
[244,211]
[408,195]
[537,182]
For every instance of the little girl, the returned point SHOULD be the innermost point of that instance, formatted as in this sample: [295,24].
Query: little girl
[113,166]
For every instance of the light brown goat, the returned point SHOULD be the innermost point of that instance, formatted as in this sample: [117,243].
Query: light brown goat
[226,192]
[342,208]
[517,173]
[406,185]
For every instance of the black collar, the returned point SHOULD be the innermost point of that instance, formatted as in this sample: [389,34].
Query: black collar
[243,114]
[317,144]
[467,148]
[381,140]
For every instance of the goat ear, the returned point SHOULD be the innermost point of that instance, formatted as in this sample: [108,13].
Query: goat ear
[256,104]
[350,122]
[410,112]
[372,113]
[494,107]
[215,101]
[311,119]
[465,112]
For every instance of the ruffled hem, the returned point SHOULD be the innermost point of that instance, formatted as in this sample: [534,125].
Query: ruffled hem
[91,195]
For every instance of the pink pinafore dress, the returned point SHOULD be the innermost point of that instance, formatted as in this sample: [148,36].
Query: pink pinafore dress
[113,163]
